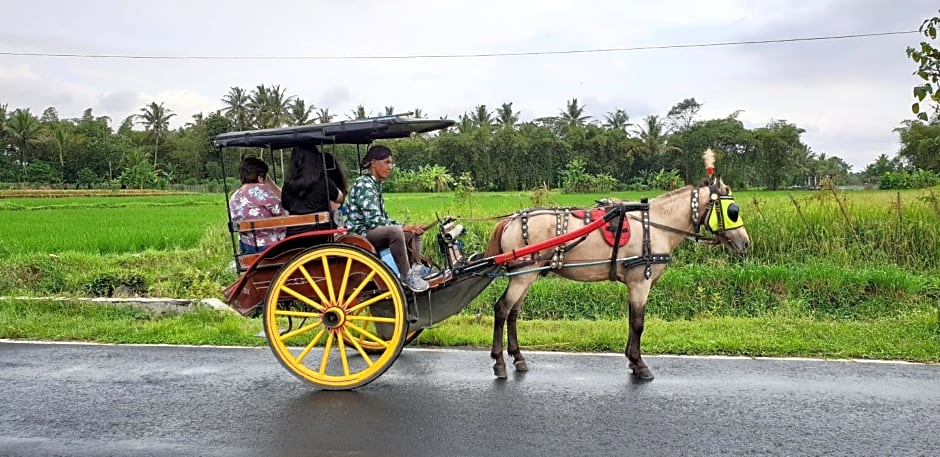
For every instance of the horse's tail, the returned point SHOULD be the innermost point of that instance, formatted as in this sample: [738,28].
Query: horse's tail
[495,245]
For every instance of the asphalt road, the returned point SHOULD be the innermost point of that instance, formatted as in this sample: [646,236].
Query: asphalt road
[77,400]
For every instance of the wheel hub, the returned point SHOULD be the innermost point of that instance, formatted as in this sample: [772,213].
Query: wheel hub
[333,318]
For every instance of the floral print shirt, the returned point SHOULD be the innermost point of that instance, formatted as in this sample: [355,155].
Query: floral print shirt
[256,201]
[366,207]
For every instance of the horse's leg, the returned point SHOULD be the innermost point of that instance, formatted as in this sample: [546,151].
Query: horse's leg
[506,313]
[499,320]
[517,297]
[637,297]
[513,348]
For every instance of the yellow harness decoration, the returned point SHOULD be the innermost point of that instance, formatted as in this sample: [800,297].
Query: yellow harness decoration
[728,211]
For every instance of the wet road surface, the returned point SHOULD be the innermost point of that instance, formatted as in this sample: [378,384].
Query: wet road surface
[67,399]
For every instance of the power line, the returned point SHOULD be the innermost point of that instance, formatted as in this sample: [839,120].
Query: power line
[457,56]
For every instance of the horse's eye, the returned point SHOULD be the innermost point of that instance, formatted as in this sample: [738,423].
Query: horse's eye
[733,211]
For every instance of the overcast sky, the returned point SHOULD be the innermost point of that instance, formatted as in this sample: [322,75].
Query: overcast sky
[847,94]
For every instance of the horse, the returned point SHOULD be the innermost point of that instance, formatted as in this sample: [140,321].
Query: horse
[637,261]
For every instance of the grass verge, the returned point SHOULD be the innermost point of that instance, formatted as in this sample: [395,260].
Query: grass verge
[911,336]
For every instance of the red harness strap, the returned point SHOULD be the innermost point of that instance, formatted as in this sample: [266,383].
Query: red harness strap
[609,231]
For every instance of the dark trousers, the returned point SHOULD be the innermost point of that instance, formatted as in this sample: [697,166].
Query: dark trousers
[392,237]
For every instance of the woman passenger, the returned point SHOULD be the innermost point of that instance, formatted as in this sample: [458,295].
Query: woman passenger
[257,198]
[314,183]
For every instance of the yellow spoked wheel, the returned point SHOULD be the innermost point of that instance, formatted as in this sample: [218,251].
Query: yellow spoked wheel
[335,317]
[373,348]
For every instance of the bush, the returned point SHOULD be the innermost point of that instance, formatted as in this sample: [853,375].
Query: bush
[42,173]
[919,179]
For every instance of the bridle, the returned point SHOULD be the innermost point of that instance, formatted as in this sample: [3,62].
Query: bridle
[716,203]
[721,216]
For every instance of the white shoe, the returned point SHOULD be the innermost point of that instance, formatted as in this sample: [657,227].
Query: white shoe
[414,282]
[425,271]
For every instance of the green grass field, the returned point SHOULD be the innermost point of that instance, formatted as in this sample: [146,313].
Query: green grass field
[841,264]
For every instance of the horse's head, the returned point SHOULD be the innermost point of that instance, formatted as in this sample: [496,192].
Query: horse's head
[722,216]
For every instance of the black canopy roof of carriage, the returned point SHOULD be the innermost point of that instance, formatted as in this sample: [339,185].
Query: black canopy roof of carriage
[359,131]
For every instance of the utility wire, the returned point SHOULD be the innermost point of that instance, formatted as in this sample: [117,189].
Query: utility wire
[455,56]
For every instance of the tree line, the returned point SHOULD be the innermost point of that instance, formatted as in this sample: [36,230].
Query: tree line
[488,149]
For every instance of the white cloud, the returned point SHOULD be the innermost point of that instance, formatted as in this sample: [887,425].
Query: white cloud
[848,94]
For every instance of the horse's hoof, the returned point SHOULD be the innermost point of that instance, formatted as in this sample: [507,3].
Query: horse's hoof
[500,372]
[521,365]
[643,374]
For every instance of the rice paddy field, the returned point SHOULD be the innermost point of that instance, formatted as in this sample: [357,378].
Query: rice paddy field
[837,254]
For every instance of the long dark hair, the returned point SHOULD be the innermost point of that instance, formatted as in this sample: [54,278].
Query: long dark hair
[308,168]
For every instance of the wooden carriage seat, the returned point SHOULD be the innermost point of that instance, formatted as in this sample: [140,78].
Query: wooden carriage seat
[249,225]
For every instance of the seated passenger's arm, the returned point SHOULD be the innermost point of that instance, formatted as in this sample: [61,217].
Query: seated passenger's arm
[272,186]
[273,204]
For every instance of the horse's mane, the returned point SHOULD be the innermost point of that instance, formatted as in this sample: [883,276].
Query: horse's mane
[676,191]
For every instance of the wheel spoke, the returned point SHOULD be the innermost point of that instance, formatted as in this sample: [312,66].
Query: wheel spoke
[364,333]
[326,353]
[370,302]
[303,329]
[362,317]
[358,290]
[302,298]
[313,284]
[329,279]
[362,352]
[313,342]
[342,286]
[342,355]
[279,312]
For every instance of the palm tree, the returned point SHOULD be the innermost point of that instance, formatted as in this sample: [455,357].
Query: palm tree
[299,113]
[258,106]
[62,136]
[359,113]
[653,134]
[279,106]
[324,116]
[23,130]
[236,107]
[573,113]
[3,123]
[465,123]
[389,110]
[617,120]
[481,117]
[156,120]
[418,114]
[506,117]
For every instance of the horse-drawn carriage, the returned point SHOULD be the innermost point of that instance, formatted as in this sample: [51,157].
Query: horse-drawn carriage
[336,315]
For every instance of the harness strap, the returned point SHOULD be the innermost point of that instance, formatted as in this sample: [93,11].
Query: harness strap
[525,227]
[561,227]
[646,244]
[621,213]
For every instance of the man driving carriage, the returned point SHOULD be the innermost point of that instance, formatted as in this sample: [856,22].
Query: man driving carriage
[367,217]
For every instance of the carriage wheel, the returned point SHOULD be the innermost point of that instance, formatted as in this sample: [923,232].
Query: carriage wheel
[328,299]
[373,348]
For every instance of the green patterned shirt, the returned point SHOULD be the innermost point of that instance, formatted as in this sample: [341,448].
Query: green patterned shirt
[366,207]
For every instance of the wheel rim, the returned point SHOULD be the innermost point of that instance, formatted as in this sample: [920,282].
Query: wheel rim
[342,296]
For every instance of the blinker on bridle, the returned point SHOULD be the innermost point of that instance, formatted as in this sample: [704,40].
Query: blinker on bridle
[723,212]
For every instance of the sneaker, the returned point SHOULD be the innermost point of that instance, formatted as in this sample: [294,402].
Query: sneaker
[414,282]
[425,271]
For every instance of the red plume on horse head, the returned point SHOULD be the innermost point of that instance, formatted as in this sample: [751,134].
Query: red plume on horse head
[709,157]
